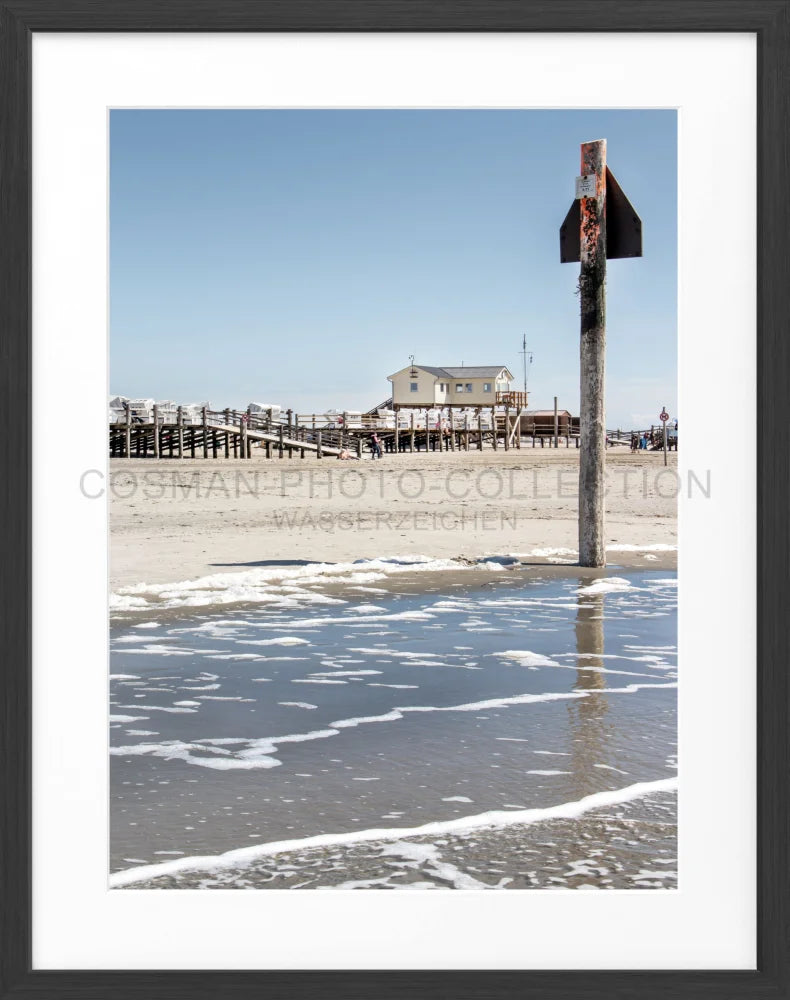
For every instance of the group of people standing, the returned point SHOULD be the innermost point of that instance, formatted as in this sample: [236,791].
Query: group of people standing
[645,440]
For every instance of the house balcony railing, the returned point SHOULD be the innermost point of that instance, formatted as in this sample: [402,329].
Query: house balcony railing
[517,399]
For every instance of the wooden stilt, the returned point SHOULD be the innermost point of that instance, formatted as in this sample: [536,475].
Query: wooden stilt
[180,419]
[128,431]
[156,431]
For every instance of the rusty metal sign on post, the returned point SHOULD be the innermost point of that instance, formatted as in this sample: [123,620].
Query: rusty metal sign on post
[601,225]
[623,225]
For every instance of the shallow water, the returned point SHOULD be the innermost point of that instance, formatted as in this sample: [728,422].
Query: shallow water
[393,710]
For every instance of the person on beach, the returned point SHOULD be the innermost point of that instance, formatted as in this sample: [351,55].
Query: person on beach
[375,445]
[634,442]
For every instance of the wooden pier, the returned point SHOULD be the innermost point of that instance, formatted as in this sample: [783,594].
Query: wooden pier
[234,434]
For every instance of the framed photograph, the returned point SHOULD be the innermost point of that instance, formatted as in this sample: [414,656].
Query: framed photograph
[395,499]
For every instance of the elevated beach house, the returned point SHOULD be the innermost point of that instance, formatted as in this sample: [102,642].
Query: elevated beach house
[469,385]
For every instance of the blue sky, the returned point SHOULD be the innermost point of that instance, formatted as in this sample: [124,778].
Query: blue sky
[300,257]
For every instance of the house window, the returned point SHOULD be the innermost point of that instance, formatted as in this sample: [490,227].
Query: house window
[459,387]
[413,386]
[486,387]
[442,387]
[468,386]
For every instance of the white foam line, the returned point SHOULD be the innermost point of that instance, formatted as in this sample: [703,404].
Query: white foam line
[258,752]
[497,818]
[267,585]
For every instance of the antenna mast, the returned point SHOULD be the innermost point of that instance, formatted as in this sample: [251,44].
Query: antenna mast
[527,359]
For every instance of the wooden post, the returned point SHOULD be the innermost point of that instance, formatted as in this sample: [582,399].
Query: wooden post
[359,446]
[427,434]
[289,413]
[452,430]
[243,436]
[180,420]
[411,441]
[592,288]
[128,431]
[227,434]
[493,425]
[318,451]
[479,429]
[556,425]
[156,431]
[397,440]
[281,447]
[205,433]
[507,426]
[518,432]
[664,425]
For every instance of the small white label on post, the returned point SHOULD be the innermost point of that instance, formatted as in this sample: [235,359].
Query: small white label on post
[585,186]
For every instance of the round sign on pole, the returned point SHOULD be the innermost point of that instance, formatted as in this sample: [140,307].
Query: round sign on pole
[664,416]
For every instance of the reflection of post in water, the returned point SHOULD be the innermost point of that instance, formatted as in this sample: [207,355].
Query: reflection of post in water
[588,730]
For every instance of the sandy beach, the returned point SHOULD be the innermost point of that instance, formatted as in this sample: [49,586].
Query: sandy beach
[174,520]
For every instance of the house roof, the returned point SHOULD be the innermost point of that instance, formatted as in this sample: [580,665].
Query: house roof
[465,371]
[475,371]
[546,413]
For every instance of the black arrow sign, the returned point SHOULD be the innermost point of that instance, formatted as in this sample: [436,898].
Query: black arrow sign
[623,226]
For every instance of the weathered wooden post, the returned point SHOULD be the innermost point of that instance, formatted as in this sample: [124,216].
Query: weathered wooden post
[281,448]
[411,436]
[318,451]
[479,428]
[205,432]
[556,425]
[493,426]
[507,426]
[242,436]
[156,431]
[180,422]
[128,431]
[592,290]
[601,224]
[227,433]
[397,440]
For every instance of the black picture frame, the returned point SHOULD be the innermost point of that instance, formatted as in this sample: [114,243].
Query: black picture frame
[769,20]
